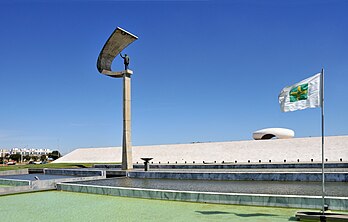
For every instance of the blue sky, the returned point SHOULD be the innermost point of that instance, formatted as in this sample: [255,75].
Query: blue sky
[203,70]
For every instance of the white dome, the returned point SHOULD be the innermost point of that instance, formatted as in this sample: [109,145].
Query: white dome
[268,133]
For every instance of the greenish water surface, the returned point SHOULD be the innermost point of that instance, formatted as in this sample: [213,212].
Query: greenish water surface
[68,206]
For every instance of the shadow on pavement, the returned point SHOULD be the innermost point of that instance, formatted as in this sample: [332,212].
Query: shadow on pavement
[212,212]
[256,215]
[239,215]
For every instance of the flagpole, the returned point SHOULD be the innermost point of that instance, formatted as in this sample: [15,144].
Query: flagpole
[322,138]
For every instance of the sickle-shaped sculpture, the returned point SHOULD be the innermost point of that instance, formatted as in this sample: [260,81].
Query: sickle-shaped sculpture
[118,41]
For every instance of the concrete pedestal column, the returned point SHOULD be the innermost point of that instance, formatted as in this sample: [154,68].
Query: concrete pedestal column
[127,161]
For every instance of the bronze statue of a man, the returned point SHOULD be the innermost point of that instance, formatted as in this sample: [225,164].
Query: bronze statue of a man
[125,60]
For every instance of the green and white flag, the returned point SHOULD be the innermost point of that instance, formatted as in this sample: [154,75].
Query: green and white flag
[302,95]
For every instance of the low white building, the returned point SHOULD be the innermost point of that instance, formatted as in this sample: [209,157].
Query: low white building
[253,151]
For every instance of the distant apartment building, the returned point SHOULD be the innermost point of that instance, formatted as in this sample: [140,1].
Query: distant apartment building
[4,152]
[25,151]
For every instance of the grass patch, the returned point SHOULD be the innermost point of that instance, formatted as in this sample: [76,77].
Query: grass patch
[49,165]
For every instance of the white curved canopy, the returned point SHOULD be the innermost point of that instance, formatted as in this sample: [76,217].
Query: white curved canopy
[268,133]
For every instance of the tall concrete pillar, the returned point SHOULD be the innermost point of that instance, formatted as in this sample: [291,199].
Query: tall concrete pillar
[113,47]
[127,160]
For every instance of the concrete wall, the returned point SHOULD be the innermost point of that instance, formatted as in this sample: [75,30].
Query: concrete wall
[294,201]
[52,184]
[13,182]
[22,186]
[14,172]
[14,190]
[228,166]
[257,176]
[74,172]
[277,150]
